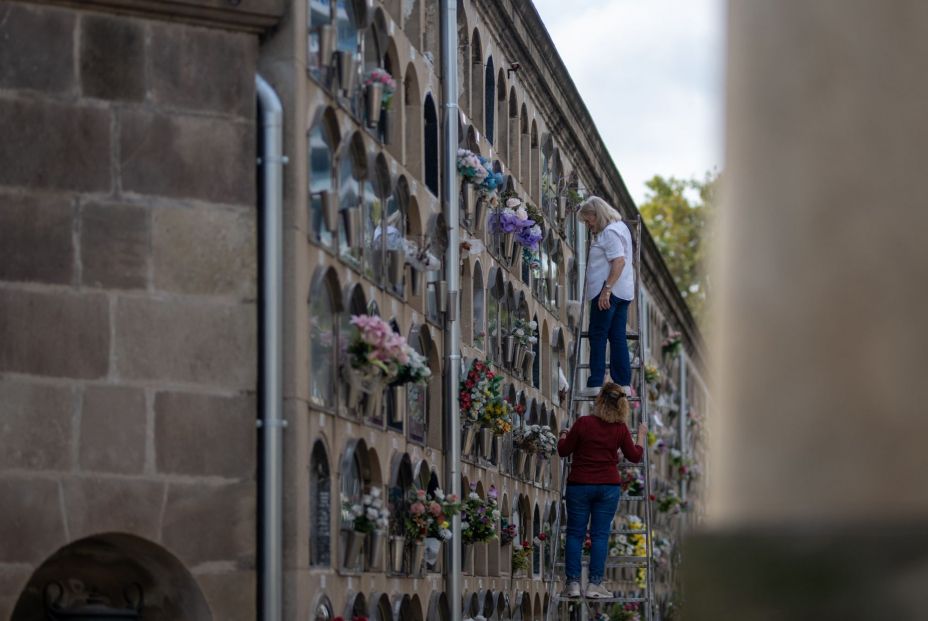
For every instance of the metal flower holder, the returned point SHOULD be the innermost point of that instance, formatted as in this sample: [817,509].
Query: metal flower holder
[373,103]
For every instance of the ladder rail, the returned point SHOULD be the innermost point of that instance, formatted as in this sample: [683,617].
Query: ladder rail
[647,598]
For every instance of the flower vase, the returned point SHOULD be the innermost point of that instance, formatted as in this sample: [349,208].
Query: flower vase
[354,546]
[519,457]
[510,350]
[529,474]
[561,207]
[557,294]
[351,221]
[486,442]
[520,357]
[529,362]
[432,550]
[469,204]
[467,442]
[397,552]
[373,102]
[479,206]
[540,472]
[551,281]
[347,68]
[509,242]
[374,549]
[353,380]
[329,209]
[416,557]
[374,393]
[396,261]
[326,44]
[504,344]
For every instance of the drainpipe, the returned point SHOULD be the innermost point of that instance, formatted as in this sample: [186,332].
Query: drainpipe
[449,196]
[271,424]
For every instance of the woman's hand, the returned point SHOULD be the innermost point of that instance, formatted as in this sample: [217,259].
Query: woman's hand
[562,433]
[604,302]
[642,434]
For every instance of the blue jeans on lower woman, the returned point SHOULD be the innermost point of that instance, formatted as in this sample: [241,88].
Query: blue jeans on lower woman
[609,325]
[594,505]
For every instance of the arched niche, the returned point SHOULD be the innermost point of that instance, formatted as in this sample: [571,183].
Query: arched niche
[536,548]
[512,134]
[412,121]
[479,307]
[477,96]
[402,484]
[322,609]
[537,607]
[356,606]
[439,610]
[503,612]
[320,506]
[323,143]
[323,307]
[109,564]
[380,607]
[353,174]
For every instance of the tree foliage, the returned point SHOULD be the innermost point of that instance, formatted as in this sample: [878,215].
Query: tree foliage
[677,213]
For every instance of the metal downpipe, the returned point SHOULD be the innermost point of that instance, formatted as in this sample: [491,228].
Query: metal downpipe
[449,198]
[271,424]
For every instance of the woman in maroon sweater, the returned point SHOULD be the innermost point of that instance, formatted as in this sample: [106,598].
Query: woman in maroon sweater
[593,483]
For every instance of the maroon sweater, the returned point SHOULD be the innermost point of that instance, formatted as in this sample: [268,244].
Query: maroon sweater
[594,444]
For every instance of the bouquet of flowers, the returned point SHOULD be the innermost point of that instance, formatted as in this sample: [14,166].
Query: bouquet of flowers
[652,374]
[429,515]
[683,468]
[525,332]
[473,167]
[530,259]
[522,557]
[479,516]
[669,501]
[497,416]
[535,439]
[379,353]
[367,515]
[630,611]
[632,482]
[660,550]
[507,532]
[478,389]
[671,344]
[379,76]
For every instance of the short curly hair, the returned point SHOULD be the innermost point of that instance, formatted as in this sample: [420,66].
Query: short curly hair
[612,404]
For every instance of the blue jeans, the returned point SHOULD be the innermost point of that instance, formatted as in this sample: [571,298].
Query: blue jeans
[609,325]
[584,502]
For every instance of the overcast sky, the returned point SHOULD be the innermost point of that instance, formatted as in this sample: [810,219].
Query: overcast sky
[650,72]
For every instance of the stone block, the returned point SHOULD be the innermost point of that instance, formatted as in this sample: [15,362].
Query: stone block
[100,505]
[55,334]
[200,69]
[36,239]
[205,250]
[231,595]
[37,49]
[190,342]
[55,145]
[112,58]
[31,520]
[211,523]
[35,429]
[113,429]
[187,157]
[13,579]
[114,246]
[205,435]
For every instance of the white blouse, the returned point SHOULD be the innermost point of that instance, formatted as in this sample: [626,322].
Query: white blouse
[613,242]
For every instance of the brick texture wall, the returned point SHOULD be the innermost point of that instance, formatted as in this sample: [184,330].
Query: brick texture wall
[128,355]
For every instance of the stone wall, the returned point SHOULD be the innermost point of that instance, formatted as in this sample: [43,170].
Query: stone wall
[128,356]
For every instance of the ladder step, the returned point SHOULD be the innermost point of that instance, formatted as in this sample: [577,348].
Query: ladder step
[584,365]
[615,561]
[591,399]
[603,600]
[631,335]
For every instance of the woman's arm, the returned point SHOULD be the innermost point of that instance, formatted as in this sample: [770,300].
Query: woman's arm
[567,443]
[615,270]
[632,452]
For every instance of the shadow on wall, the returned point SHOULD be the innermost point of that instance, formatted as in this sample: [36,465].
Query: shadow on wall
[103,571]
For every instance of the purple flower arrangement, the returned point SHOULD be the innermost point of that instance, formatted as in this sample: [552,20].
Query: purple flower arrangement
[514,218]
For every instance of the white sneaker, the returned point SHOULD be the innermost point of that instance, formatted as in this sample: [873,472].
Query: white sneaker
[571,590]
[590,391]
[597,591]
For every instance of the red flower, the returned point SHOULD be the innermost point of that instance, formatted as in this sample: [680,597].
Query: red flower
[652,497]
[542,537]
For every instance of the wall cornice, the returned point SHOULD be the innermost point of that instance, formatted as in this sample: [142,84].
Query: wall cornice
[254,16]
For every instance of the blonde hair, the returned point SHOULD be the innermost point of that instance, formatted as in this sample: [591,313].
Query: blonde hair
[604,212]
[611,405]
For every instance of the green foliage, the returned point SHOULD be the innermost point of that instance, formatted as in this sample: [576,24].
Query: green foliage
[677,212]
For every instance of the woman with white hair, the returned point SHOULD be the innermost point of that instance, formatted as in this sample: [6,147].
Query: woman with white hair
[610,288]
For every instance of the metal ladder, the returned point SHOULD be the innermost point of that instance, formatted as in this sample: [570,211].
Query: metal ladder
[559,607]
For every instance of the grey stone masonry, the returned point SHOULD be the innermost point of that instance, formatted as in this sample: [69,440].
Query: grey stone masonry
[128,278]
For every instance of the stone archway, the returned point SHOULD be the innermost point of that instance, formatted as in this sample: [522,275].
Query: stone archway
[108,565]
